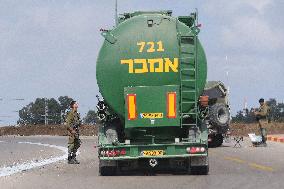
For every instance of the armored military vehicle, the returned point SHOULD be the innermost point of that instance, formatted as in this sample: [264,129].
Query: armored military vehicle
[219,112]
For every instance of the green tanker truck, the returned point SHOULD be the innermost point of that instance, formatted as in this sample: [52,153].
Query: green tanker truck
[151,71]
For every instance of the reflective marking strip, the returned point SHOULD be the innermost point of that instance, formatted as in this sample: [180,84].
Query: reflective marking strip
[261,167]
[171,105]
[252,165]
[131,103]
[275,139]
[238,160]
[10,170]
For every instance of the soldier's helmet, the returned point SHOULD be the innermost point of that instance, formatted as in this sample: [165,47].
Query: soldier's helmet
[72,103]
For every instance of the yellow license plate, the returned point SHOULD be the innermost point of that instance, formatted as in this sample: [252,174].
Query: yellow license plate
[151,115]
[153,153]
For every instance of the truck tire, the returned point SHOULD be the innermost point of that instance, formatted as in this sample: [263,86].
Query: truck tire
[216,140]
[107,168]
[200,170]
[219,115]
[107,171]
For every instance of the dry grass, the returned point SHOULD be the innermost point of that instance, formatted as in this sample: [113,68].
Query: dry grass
[91,130]
[243,129]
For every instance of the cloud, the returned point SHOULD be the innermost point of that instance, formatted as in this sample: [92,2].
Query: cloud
[249,25]
[251,76]
[259,5]
[45,44]
[236,6]
[252,33]
[49,49]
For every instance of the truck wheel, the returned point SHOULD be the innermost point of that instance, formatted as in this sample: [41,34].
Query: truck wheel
[216,140]
[200,170]
[107,171]
[107,168]
[219,115]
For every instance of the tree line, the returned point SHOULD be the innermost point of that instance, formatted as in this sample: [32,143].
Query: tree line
[247,115]
[52,110]
[55,110]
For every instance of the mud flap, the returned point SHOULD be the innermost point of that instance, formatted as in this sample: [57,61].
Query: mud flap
[198,165]
[199,161]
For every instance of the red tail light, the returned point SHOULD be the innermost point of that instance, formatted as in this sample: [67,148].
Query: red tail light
[113,153]
[193,150]
[123,152]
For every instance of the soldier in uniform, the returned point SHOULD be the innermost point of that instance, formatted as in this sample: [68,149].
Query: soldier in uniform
[262,115]
[73,123]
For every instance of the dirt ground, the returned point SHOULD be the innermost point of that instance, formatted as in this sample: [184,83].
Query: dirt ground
[91,130]
[243,129]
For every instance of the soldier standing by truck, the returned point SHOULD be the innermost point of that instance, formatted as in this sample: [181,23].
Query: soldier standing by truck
[73,123]
[262,115]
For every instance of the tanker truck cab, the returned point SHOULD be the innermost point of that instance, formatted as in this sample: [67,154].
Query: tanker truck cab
[151,114]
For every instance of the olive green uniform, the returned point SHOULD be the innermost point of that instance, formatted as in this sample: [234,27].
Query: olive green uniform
[261,117]
[263,111]
[73,123]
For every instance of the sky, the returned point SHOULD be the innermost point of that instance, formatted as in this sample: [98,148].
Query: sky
[48,48]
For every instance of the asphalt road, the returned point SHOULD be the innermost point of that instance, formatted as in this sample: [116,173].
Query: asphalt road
[44,167]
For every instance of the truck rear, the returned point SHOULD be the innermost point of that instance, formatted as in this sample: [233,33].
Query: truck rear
[151,72]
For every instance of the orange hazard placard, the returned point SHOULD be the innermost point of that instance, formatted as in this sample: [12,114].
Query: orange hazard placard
[171,105]
[131,104]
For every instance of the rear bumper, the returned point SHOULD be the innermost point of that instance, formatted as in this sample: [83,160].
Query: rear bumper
[171,164]
[133,152]
[151,157]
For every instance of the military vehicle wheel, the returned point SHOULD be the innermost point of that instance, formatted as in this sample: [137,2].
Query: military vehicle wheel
[219,115]
[216,140]
[107,171]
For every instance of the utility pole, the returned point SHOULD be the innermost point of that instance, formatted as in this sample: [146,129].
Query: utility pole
[115,16]
[228,91]
[45,111]
[227,74]
[245,107]
[61,117]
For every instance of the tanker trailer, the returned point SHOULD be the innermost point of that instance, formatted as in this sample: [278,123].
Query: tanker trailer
[151,71]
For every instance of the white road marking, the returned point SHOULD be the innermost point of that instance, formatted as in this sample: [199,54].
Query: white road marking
[6,171]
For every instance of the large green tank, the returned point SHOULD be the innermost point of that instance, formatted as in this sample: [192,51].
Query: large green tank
[151,72]
[141,40]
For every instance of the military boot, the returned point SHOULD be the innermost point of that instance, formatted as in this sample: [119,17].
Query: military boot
[70,159]
[74,159]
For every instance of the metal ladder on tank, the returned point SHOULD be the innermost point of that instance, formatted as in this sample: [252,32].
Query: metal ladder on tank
[188,79]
